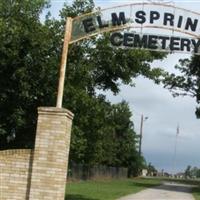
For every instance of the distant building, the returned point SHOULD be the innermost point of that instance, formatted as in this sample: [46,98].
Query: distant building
[180,175]
[144,172]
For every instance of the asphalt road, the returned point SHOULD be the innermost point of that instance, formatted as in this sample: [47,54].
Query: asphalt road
[167,191]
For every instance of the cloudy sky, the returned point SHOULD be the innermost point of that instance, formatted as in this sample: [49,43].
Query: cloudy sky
[164,112]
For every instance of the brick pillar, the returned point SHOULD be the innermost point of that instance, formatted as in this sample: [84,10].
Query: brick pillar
[51,154]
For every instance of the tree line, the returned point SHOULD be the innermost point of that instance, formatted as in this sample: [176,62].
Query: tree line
[192,172]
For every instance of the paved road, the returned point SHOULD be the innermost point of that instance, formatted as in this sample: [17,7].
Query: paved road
[167,191]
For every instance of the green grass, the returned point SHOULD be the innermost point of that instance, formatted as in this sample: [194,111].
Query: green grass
[113,189]
[195,190]
[196,183]
[196,193]
[107,190]
[184,181]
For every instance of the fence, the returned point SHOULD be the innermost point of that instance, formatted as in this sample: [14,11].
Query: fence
[84,172]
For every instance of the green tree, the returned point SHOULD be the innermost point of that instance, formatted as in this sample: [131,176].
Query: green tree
[194,172]
[151,169]
[188,173]
[198,173]
[27,72]
[30,54]
[100,66]
[29,58]
[188,82]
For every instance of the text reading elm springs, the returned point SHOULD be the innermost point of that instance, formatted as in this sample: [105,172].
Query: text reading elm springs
[149,41]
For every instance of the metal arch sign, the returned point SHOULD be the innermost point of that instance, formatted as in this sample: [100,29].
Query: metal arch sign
[181,27]
[143,22]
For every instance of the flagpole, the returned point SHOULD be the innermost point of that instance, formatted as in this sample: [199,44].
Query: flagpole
[175,149]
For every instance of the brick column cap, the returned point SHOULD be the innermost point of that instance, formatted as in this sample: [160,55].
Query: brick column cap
[55,111]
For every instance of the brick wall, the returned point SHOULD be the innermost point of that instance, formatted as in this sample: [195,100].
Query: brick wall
[15,171]
[51,152]
[40,173]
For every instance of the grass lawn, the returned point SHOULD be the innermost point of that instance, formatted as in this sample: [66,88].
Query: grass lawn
[107,190]
[196,193]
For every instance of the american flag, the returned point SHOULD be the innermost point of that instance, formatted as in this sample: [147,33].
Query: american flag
[177,130]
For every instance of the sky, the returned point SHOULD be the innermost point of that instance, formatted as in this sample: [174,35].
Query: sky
[164,112]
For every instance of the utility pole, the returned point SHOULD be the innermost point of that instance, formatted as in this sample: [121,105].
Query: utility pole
[141,133]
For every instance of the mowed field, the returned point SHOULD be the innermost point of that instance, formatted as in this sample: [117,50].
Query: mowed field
[107,190]
[114,189]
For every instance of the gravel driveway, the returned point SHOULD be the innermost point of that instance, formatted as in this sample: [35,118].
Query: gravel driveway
[167,191]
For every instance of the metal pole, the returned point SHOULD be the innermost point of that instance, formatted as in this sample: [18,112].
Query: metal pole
[61,83]
[141,127]
[175,152]
[175,149]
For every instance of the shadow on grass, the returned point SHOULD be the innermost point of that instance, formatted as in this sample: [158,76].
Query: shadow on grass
[77,197]
[196,190]
[185,181]
[168,187]
[144,185]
